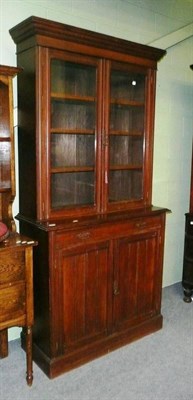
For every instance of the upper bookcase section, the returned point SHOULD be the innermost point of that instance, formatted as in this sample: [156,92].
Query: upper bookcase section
[43,32]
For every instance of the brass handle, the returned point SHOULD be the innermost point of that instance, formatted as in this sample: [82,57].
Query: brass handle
[140,224]
[83,235]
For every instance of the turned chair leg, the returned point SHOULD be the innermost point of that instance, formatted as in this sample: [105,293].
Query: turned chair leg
[29,373]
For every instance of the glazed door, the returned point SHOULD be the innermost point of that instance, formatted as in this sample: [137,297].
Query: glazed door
[128,154]
[136,273]
[82,292]
[96,136]
[74,134]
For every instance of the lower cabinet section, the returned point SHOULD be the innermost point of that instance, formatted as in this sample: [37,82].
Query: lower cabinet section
[97,287]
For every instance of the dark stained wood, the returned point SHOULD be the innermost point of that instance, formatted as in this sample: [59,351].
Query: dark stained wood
[39,29]
[103,287]
[86,122]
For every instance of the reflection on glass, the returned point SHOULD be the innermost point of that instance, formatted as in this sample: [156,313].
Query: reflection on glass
[72,150]
[128,86]
[73,79]
[71,189]
[125,185]
[126,135]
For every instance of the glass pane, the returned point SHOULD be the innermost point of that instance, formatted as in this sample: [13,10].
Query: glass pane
[127,85]
[126,149]
[69,114]
[5,163]
[73,79]
[125,185]
[72,150]
[70,189]
[72,138]
[126,119]
[4,109]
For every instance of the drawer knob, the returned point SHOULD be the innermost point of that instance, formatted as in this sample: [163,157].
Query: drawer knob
[140,224]
[83,235]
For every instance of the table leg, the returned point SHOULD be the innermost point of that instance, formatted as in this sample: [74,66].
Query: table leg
[29,373]
[3,343]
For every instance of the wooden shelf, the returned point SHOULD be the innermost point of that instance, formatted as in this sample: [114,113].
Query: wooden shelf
[126,133]
[129,103]
[72,131]
[125,167]
[59,170]
[72,97]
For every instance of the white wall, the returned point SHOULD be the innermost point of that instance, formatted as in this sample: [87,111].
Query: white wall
[174,103]
[173,150]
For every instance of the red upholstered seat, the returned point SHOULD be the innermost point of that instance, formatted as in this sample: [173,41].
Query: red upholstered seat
[4,231]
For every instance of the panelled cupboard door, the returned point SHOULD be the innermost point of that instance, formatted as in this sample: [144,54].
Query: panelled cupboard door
[135,279]
[82,286]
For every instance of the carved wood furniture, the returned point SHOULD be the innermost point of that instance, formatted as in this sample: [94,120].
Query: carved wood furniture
[187,276]
[16,292]
[16,284]
[86,117]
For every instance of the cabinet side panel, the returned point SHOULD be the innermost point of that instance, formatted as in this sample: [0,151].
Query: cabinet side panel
[26,134]
[41,328]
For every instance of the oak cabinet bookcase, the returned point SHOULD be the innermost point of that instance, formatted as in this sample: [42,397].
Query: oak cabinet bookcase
[86,119]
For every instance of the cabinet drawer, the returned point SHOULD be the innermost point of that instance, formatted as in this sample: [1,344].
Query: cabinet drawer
[12,302]
[108,231]
[12,267]
[144,224]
